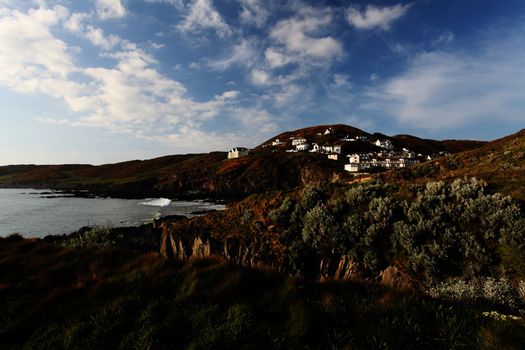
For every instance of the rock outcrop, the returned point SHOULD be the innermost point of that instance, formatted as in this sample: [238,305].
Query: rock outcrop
[338,268]
[394,277]
[252,252]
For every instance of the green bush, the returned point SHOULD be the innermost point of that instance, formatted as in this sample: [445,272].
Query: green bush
[320,229]
[496,291]
[281,215]
[96,236]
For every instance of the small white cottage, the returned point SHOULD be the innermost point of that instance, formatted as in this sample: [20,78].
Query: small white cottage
[238,152]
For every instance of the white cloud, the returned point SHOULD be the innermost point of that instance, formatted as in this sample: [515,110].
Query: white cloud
[32,60]
[97,37]
[190,139]
[287,95]
[107,9]
[301,39]
[203,15]
[375,17]
[227,95]
[444,39]
[253,12]
[157,46]
[260,121]
[127,96]
[259,77]
[276,59]
[179,4]
[76,24]
[243,53]
[443,90]
[194,65]
[342,81]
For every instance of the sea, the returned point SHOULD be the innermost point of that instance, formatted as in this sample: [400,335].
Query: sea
[38,213]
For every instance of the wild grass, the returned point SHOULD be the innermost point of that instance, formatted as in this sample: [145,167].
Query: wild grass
[53,297]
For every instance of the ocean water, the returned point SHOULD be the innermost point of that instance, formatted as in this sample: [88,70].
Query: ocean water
[37,213]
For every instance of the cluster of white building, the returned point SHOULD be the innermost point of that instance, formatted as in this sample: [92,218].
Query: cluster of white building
[387,158]
[363,162]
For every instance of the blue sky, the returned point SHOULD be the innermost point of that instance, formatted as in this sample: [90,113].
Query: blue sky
[110,80]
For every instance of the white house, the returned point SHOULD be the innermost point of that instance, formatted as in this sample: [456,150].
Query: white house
[333,156]
[328,131]
[354,158]
[358,162]
[353,167]
[410,154]
[277,143]
[387,144]
[302,147]
[347,139]
[331,149]
[238,152]
[298,141]
[315,148]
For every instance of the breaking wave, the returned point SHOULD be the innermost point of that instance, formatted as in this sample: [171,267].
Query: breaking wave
[157,202]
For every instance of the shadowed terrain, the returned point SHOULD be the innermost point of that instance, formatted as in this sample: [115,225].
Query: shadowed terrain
[57,298]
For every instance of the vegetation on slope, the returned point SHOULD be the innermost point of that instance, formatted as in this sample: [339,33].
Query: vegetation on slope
[439,236]
[193,176]
[501,163]
[57,298]
[212,175]
[337,132]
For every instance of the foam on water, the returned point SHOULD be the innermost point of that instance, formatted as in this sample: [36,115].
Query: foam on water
[156,202]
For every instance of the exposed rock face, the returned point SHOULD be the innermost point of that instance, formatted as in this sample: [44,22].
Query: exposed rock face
[394,277]
[347,269]
[253,252]
[338,268]
[263,252]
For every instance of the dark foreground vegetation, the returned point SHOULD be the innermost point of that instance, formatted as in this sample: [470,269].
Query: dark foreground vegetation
[428,257]
[107,298]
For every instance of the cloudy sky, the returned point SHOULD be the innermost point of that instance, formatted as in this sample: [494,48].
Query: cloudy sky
[97,81]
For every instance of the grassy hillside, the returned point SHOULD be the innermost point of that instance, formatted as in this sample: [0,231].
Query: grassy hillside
[212,175]
[57,298]
[339,131]
[201,175]
[501,163]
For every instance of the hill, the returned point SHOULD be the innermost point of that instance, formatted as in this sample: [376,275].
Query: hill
[330,134]
[501,163]
[183,176]
[212,175]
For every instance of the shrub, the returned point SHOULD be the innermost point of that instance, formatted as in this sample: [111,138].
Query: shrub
[239,321]
[496,291]
[281,215]
[458,229]
[96,236]
[320,229]
[301,260]
[247,217]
